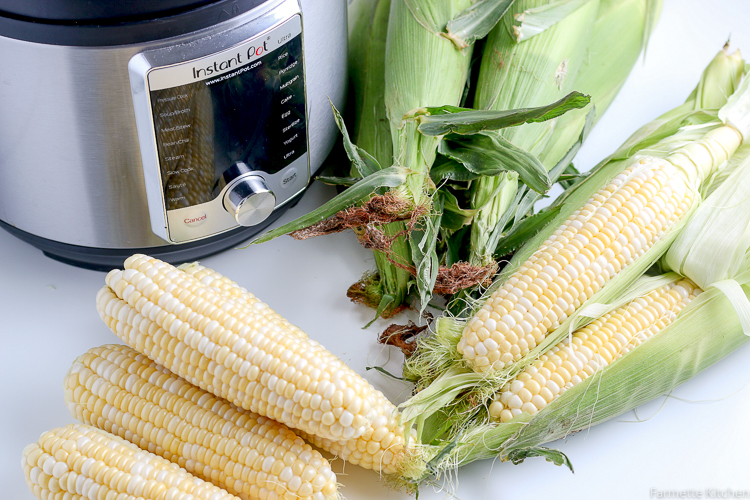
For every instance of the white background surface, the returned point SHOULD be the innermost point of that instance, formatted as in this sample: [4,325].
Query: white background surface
[48,318]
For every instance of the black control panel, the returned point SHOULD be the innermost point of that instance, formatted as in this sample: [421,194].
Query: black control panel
[248,107]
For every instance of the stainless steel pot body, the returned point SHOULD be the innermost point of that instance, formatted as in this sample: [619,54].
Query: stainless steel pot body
[70,162]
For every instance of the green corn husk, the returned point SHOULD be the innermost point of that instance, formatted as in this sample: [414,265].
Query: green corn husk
[439,370]
[721,80]
[534,71]
[606,65]
[416,57]
[368,26]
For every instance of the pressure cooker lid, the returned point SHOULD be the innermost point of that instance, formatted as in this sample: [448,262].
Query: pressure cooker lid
[112,22]
[103,11]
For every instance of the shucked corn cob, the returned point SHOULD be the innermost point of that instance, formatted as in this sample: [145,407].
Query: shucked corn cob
[235,350]
[382,446]
[617,225]
[595,346]
[81,462]
[121,391]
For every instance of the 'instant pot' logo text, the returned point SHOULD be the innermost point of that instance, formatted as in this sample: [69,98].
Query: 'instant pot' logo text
[233,62]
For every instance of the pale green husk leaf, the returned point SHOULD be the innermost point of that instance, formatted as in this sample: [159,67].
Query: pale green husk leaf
[721,226]
[736,112]
[476,21]
[539,19]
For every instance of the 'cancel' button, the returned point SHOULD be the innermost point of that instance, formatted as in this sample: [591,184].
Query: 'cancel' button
[195,219]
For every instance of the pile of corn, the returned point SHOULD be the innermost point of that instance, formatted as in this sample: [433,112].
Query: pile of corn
[215,396]
[212,386]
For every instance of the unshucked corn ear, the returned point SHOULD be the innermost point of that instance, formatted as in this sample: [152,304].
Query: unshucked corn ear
[236,350]
[121,391]
[602,342]
[79,461]
[417,56]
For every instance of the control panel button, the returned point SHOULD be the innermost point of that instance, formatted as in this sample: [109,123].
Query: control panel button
[249,200]
[195,218]
[290,178]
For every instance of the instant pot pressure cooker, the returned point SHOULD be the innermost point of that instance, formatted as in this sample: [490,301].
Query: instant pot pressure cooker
[176,128]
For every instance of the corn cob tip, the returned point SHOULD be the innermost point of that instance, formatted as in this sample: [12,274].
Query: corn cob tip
[128,264]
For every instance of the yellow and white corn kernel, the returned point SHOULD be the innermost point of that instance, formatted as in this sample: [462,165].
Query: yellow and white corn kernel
[231,289]
[382,447]
[121,391]
[594,347]
[235,350]
[617,225]
[82,462]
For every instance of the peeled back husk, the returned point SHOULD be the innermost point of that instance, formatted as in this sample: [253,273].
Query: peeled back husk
[674,355]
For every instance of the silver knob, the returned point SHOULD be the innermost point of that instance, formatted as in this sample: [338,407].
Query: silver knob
[249,200]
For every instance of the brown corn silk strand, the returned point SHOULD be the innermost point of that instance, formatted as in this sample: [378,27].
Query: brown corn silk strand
[380,209]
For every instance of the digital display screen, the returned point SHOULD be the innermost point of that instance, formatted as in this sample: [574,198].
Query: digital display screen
[252,111]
